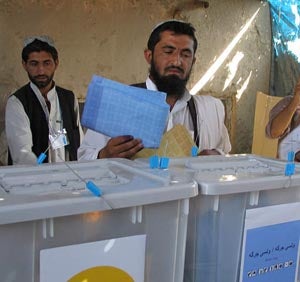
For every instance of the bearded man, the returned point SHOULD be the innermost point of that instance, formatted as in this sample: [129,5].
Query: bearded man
[170,53]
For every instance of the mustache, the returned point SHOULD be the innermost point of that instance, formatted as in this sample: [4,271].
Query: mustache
[174,67]
[40,76]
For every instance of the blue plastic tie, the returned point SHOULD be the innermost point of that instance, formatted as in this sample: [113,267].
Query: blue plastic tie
[164,162]
[290,166]
[41,158]
[94,188]
[194,151]
[291,156]
[289,169]
[154,162]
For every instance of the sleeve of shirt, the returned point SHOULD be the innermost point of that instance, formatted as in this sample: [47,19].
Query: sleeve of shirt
[18,133]
[213,133]
[92,143]
[224,146]
[77,112]
[279,107]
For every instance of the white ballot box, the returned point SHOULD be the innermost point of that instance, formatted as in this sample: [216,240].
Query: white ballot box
[54,229]
[228,187]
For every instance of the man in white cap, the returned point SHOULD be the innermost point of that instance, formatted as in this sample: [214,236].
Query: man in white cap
[40,117]
[171,54]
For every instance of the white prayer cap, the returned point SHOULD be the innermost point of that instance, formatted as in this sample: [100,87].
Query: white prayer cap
[45,38]
[166,21]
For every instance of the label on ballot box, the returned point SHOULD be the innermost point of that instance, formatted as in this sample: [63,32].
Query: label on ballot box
[271,244]
[116,109]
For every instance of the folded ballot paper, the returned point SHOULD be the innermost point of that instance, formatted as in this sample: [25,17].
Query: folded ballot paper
[116,109]
[177,142]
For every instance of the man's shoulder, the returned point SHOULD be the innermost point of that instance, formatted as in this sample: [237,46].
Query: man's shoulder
[22,89]
[140,85]
[60,89]
[23,93]
[206,98]
[206,103]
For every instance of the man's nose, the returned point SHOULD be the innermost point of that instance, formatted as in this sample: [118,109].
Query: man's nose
[41,69]
[177,59]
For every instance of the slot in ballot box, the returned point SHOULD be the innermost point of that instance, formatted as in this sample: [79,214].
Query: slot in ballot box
[228,187]
[53,229]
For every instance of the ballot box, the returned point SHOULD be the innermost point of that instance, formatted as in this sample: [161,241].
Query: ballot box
[229,187]
[52,228]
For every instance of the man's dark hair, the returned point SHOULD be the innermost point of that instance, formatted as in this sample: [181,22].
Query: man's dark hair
[178,27]
[37,46]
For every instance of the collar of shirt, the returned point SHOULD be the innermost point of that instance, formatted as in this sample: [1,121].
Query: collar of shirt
[50,95]
[180,104]
[54,120]
[54,117]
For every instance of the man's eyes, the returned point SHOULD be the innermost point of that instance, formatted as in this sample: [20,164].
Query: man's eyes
[33,64]
[168,51]
[45,64]
[185,54]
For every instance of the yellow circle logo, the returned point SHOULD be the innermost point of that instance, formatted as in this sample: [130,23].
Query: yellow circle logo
[101,273]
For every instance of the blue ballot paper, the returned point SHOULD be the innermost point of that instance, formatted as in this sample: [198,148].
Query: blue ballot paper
[116,109]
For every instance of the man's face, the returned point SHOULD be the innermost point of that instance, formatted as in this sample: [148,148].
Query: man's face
[40,68]
[171,62]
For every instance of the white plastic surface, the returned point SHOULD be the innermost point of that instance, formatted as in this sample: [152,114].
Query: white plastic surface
[29,193]
[228,185]
[221,175]
[48,206]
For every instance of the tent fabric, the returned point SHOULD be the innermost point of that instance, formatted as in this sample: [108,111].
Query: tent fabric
[285,66]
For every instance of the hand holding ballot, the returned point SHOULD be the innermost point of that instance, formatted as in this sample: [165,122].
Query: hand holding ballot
[128,118]
[121,147]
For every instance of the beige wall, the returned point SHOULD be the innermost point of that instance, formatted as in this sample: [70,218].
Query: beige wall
[108,38]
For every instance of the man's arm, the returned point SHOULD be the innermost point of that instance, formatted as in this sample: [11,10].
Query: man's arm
[284,114]
[77,113]
[213,134]
[18,133]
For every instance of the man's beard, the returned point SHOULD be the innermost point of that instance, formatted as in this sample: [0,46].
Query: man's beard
[41,83]
[170,84]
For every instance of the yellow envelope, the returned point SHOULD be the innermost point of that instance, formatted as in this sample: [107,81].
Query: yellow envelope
[177,142]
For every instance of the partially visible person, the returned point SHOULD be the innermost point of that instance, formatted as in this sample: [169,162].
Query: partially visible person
[171,56]
[284,121]
[40,111]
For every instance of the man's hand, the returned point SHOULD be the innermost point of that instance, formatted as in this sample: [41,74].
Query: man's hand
[208,152]
[121,147]
[297,157]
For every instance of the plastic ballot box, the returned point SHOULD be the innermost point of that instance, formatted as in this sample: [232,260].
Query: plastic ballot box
[54,229]
[228,187]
